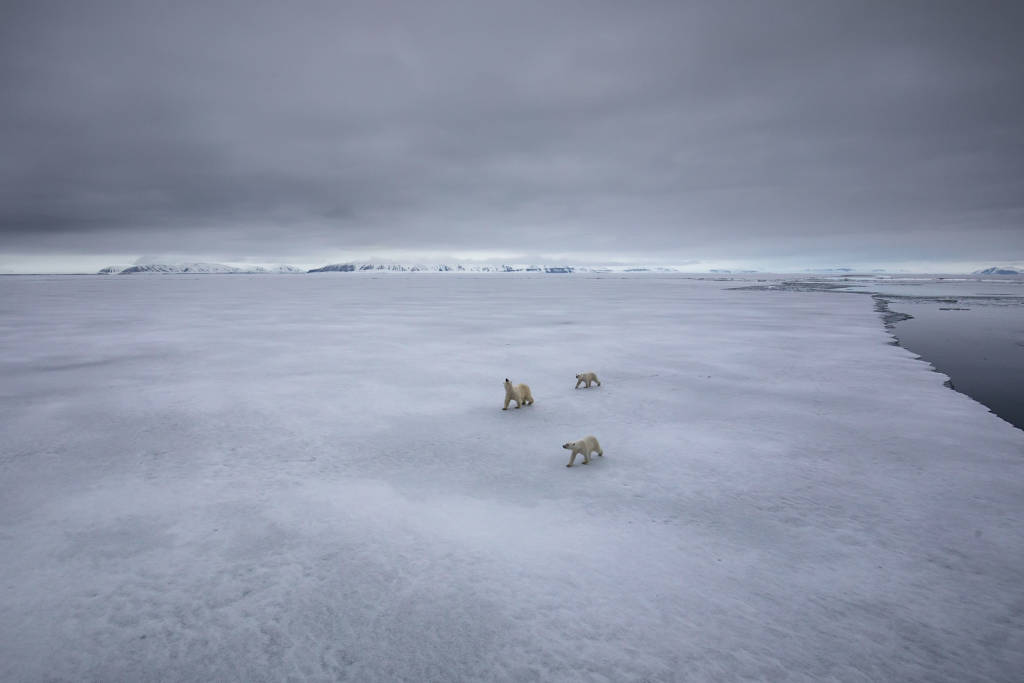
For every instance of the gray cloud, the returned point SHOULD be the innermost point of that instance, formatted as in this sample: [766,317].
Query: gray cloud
[785,131]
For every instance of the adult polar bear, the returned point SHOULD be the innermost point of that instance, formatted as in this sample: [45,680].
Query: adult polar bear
[584,446]
[587,377]
[520,393]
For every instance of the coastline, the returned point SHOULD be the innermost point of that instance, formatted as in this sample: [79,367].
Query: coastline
[975,364]
[890,319]
[983,378]
[979,364]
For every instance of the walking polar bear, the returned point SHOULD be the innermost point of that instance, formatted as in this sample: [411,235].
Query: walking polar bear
[586,446]
[520,393]
[587,377]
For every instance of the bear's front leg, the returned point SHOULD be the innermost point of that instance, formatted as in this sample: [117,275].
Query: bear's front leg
[572,459]
[506,403]
[578,383]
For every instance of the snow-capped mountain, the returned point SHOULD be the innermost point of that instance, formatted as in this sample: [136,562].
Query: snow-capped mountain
[280,268]
[397,268]
[476,268]
[351,267]
[437,268]
[206,268]
[997,270]
[182,268]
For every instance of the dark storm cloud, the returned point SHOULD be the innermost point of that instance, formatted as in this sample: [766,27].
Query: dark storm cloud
[719,129]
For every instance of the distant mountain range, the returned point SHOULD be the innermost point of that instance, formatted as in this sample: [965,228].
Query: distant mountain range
[221,268]
[997,270]
[205,268]
[444,268]
[353,267]
[459,268]
[409,268]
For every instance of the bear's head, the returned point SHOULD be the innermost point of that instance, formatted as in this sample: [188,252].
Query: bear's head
[569,445]
[578,375]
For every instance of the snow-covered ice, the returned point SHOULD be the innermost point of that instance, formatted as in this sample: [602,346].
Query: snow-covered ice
[260,478]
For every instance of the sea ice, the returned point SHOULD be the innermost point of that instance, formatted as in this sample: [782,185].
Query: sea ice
[263,478]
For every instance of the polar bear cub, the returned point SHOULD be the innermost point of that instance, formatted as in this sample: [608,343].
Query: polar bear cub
[520,393]
[586,446]
[587,377]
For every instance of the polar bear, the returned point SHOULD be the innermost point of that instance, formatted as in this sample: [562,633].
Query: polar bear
[520,393]
[585,446]
[587,377]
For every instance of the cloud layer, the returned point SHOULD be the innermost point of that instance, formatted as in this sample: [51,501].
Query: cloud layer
[794,131]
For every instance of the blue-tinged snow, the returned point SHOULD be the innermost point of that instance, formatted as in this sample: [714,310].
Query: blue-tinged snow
[310,478]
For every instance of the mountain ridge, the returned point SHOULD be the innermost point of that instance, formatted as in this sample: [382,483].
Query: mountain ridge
[193,268]
[376,267]
[999,270]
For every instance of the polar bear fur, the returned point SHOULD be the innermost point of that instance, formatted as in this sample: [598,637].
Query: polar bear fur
[520,393]
[586,446]
[587,377]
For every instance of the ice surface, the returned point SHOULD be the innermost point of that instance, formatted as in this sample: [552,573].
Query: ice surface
[933,288]
[260,478]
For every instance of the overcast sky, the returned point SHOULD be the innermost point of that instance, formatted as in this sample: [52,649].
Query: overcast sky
[765,134]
